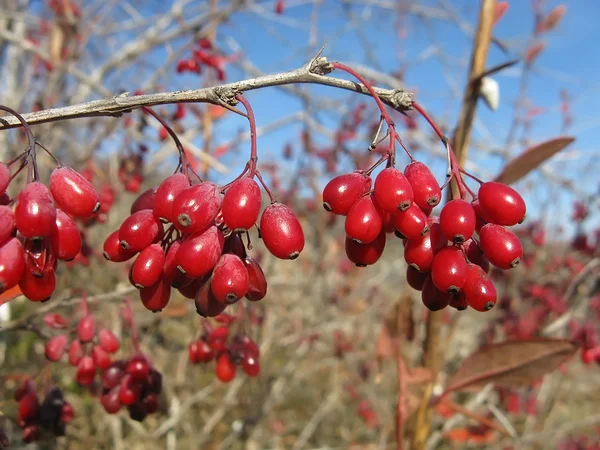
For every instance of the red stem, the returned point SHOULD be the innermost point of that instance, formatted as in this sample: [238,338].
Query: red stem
[253,145]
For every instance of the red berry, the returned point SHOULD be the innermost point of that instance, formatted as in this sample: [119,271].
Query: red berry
[458,220]
[86,371]
[12,263]
[257,282]
[36,288]
[148,266]
[217,339]
[281,231]
[199,252]
[111,401]
[56,347]
[225,369]
[139,230]
[128,391]
[432,297]
[449,270]
[112,376]
[364,221]
[501,247]
[86,328]
[156,297]
[501,204]
[204,353]
[170,271]
[66,238]
[165,196]
[67,413]
[230,280]
[393,191]
[101,359]
[108,341]
[73,193]
[365,254]
[343,191]
[479,290]
[426,190]
[415,279]
[192,352]
[113,250]
[459,301]
[197,207]
[4,177]
[412,223]
[138,368]
[75,352]
[7,223]
[144,201]
[35,213]
[206,303]
[250,364]
[29,406]
[475,255]
[241,204]
[419,253]
[190,289]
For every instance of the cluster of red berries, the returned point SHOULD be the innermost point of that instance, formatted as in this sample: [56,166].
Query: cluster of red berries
[585,335]
[201,253]
[445,260]
[37,227]
[205,56]
[51,415]
[131,169]
[229,352]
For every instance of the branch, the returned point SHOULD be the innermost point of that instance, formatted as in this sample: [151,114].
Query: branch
[312,73]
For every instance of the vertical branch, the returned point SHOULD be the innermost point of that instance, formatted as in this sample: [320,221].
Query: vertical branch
[460,145]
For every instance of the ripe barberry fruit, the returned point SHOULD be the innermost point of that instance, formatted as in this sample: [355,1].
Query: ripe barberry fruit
[364,221]
[86,371]
[419,253]
[502,247]
[165,196]
[393,191]
[35,213]
[75,352]
[56,347]
[66,238]
[458,220]
[257,282]
[230,280]
[7,223]
[475,255]
[36,288]
[281,231]
[101,359]
[199,252]
[197,207]
[156,297]
[479,290]
[108,341]
[144,201]
[225,369]
[12,263]
[73,193]
[449,270]
[139,230]
[343,191]
[250,364]
[412,223]
[432,297]
[415,279]
[138,368]
[86,328]
[111,401]
[113,250]
[241,204]
[4,177]
[426,190]
[206,303]
[365,254]
[501,204]
[148,266]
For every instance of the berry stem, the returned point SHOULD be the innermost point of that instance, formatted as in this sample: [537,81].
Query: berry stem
[54,158]
[390,123]
[463,171]
[253,145]
[259,176]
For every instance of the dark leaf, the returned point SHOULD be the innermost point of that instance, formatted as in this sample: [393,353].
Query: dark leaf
[531,158]
[510,364]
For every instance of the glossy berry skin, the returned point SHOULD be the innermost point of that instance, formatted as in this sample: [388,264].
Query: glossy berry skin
[364,221]
[479,290]
[241,204]
[66,238]
[343,191]
[419,253]
[197,207]
[230,280]
[86,328]
[250,364]
[449,270]
[432,297]
[225,369]
[170,271]
[4,177]
[458,220]
[415,279]
[75,352]
[365,254]
[56,347]
[156,297]
[144,201]
[74,194]
[148,266]
[206,303]
[281,231]
[201,352]
[7,223]
[165,195]
[38,289]
[501,204]
[412,223]
[113,250]
[199,252]
[139,230]
[257,282]
[35,213]
[108,341]
[459,301]
[476,256]
[426,190]
[101,358]
[138,368]
[393,191]
[86,371]
[29,406]
[12,263]
[500,246]
[110,401]
[112,376]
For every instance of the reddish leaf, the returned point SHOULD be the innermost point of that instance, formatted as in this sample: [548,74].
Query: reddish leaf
[510,364]
[10,294]
[55,321]
[501,8]
[531,158]
[533,51]
[552,19]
